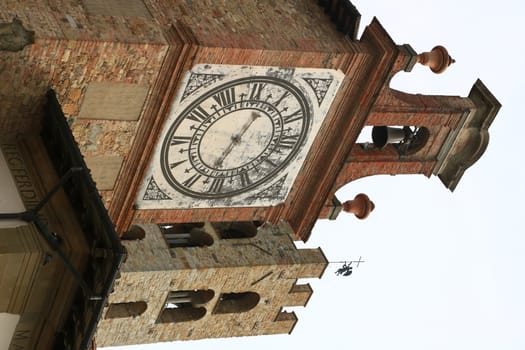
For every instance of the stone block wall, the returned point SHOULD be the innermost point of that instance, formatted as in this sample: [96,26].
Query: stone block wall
[268,264]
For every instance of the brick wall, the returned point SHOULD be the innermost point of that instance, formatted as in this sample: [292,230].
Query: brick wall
[73,49]
[267,25]
[68,19]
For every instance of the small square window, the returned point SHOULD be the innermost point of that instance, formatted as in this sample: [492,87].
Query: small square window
[113,101]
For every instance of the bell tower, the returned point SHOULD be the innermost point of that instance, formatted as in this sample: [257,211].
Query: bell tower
[429,135]
[436,135]
[419,134]
[217,133]
[281,104]
[208,280]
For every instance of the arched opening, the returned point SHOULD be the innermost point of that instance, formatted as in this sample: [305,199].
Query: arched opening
[134,233]
[406,140]
[236,229]
[131,309]
[202,297]
[236,302]
[186,235]
[181,314]
[194,297]
[185,305]
[421,136]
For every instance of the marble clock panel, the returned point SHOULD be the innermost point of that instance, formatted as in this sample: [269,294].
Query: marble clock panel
[237,136]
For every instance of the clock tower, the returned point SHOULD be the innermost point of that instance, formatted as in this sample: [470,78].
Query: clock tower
[224,111]
[242,108]
[260,124]
[218,132]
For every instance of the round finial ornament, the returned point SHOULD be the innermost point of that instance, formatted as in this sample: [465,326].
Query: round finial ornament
[361,206]
[438,59]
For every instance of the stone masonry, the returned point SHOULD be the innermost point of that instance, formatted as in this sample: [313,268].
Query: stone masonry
[267,264]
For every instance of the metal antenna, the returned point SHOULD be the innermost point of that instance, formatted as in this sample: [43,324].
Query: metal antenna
[347,268]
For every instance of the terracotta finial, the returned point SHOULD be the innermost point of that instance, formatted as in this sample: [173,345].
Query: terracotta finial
[361,206]
[438,59]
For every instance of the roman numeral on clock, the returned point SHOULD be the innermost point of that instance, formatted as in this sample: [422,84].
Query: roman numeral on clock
[245,179]
[270,162]
[216,185]
[192,180]
[288,141]
[286,94]
[297,115]
[177,140]
[173,165]
[225,97]
[198,114]
[255,93]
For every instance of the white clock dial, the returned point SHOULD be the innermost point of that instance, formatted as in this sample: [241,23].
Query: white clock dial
[237,136]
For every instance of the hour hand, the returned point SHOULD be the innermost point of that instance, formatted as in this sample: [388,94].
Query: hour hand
[227,151]
[236,139]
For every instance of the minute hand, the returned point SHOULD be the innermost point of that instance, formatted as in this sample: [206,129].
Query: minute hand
[248,124]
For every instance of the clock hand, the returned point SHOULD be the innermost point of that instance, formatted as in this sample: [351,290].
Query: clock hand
[236,139]
[225,153]
[247,125]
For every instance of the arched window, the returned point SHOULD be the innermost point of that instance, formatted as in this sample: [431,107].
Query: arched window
[186,305]
[134,233]
[236,302]
[236,229]
[131,309]
[186,235]
[181,314]
[194,297]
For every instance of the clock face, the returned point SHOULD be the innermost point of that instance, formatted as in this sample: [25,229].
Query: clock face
[237,136]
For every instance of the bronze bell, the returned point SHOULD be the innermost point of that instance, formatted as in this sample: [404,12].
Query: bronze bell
[383,135]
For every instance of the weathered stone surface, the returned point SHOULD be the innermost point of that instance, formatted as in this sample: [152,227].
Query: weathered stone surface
[113,101]
[267,265]
[14,37]
[104,170]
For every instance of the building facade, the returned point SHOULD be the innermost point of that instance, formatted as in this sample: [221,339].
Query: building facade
[226,279]
[196,117]
[59,251]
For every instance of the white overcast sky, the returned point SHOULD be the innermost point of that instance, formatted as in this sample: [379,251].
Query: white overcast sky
[442,271]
